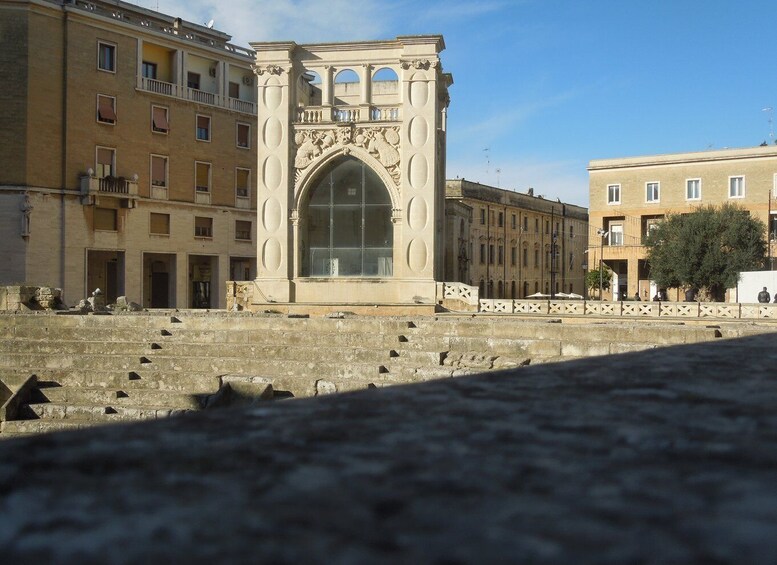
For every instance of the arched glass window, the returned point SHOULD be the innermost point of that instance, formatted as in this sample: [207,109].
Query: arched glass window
[349,229]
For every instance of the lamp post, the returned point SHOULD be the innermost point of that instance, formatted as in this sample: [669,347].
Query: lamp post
[602,234]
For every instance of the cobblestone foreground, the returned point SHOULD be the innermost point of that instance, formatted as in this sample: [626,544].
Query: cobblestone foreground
[665,456]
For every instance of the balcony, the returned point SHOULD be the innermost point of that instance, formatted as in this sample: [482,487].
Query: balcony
[196,95]
[348,114]
[93,188]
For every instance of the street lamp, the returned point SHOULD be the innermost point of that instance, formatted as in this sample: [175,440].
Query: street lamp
[602,234]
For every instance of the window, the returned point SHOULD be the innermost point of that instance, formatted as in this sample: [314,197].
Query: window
[613,194]
[243,135]
[349,228]
[652,193]
[201,176]
[193,80]
[105,219]
[159,170]
[149,70]
[616,234]
[234,90]
[514,222]
[525,257]
[571,232]
[203,227]
[482,216]
[491,254]
[242,182]
[482,253]
[526,224]
[501,219]
[536,258]
[203,128]
[159,121]
[693,189]
[547,227]
[736,187]
[105,162]
[536,225]
[243,230]
[106,109]
[159,224]
[501,255]
[651,224]
[513,255]
[106,57]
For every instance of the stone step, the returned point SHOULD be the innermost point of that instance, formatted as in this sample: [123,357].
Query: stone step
[193,382]
[66,410]
[15,428]
[117,397]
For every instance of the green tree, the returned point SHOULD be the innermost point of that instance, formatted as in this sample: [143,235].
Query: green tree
[592,279]
[706,249]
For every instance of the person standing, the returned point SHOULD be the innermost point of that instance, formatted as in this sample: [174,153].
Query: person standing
[764,297]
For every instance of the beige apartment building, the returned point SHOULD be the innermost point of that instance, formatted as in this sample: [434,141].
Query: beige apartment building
[512,245]
[630,195]
[128,155]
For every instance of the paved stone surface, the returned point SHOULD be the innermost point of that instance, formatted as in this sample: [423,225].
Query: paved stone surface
[666,456]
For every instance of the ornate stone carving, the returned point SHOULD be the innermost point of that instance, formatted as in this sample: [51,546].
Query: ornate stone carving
[424,64]
[381,142]
[268,69]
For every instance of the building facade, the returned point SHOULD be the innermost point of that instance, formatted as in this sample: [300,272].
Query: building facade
[511,244]
[350,184]
[128,153]
[629,196]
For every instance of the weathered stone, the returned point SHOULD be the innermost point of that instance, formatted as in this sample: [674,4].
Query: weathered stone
[325,387]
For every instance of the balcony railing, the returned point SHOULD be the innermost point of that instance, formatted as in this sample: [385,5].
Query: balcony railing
[347,114]
[92,188]
[196,95]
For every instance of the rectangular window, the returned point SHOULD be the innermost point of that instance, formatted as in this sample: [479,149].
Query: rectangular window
[482,216]
[105,219]
[159,121]
[651,224]
[693,189]
[613,194]
[105,162]
[547,227]
[203,128]
[536,258]
[243,230]
[513,255]
[536,225]
[106,57]
[149,70]
[491,254]
[106,109]
[652,192]
[242,182]
[736,187]
[243,135]
[193,80]
[203,227]
[234,90]
[616,234]
[201,176]
[514,222]
[501,219]
[526,224]
[159,224]
[158,170]
[525,257]
[482,253]
[571,232]
[501,255]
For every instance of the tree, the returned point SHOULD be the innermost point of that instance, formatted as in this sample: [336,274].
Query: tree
[706,249]
[592,279]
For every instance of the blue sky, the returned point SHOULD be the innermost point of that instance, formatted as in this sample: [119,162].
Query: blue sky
[547,85]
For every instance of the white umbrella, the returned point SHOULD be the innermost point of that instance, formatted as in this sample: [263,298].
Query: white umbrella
[537,295]
[574,296]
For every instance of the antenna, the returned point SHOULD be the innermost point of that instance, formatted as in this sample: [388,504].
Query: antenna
[210,23]
[498,171]
[487,150]
[769,111]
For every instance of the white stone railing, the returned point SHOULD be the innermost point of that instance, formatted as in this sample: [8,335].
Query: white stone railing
[385,114]
[628,309]
[199,96]
[460,291]
[346,114]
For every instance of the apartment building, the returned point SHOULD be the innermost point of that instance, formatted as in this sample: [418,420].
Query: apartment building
[511,244]
[629,196]
[127,152]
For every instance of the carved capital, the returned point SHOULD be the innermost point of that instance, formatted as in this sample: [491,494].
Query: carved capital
[396,215]
[294,216]
[260,70]
[424,64]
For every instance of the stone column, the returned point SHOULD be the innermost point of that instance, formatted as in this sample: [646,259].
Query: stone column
[327,90]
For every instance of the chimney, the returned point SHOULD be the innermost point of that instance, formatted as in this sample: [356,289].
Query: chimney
[530,192]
